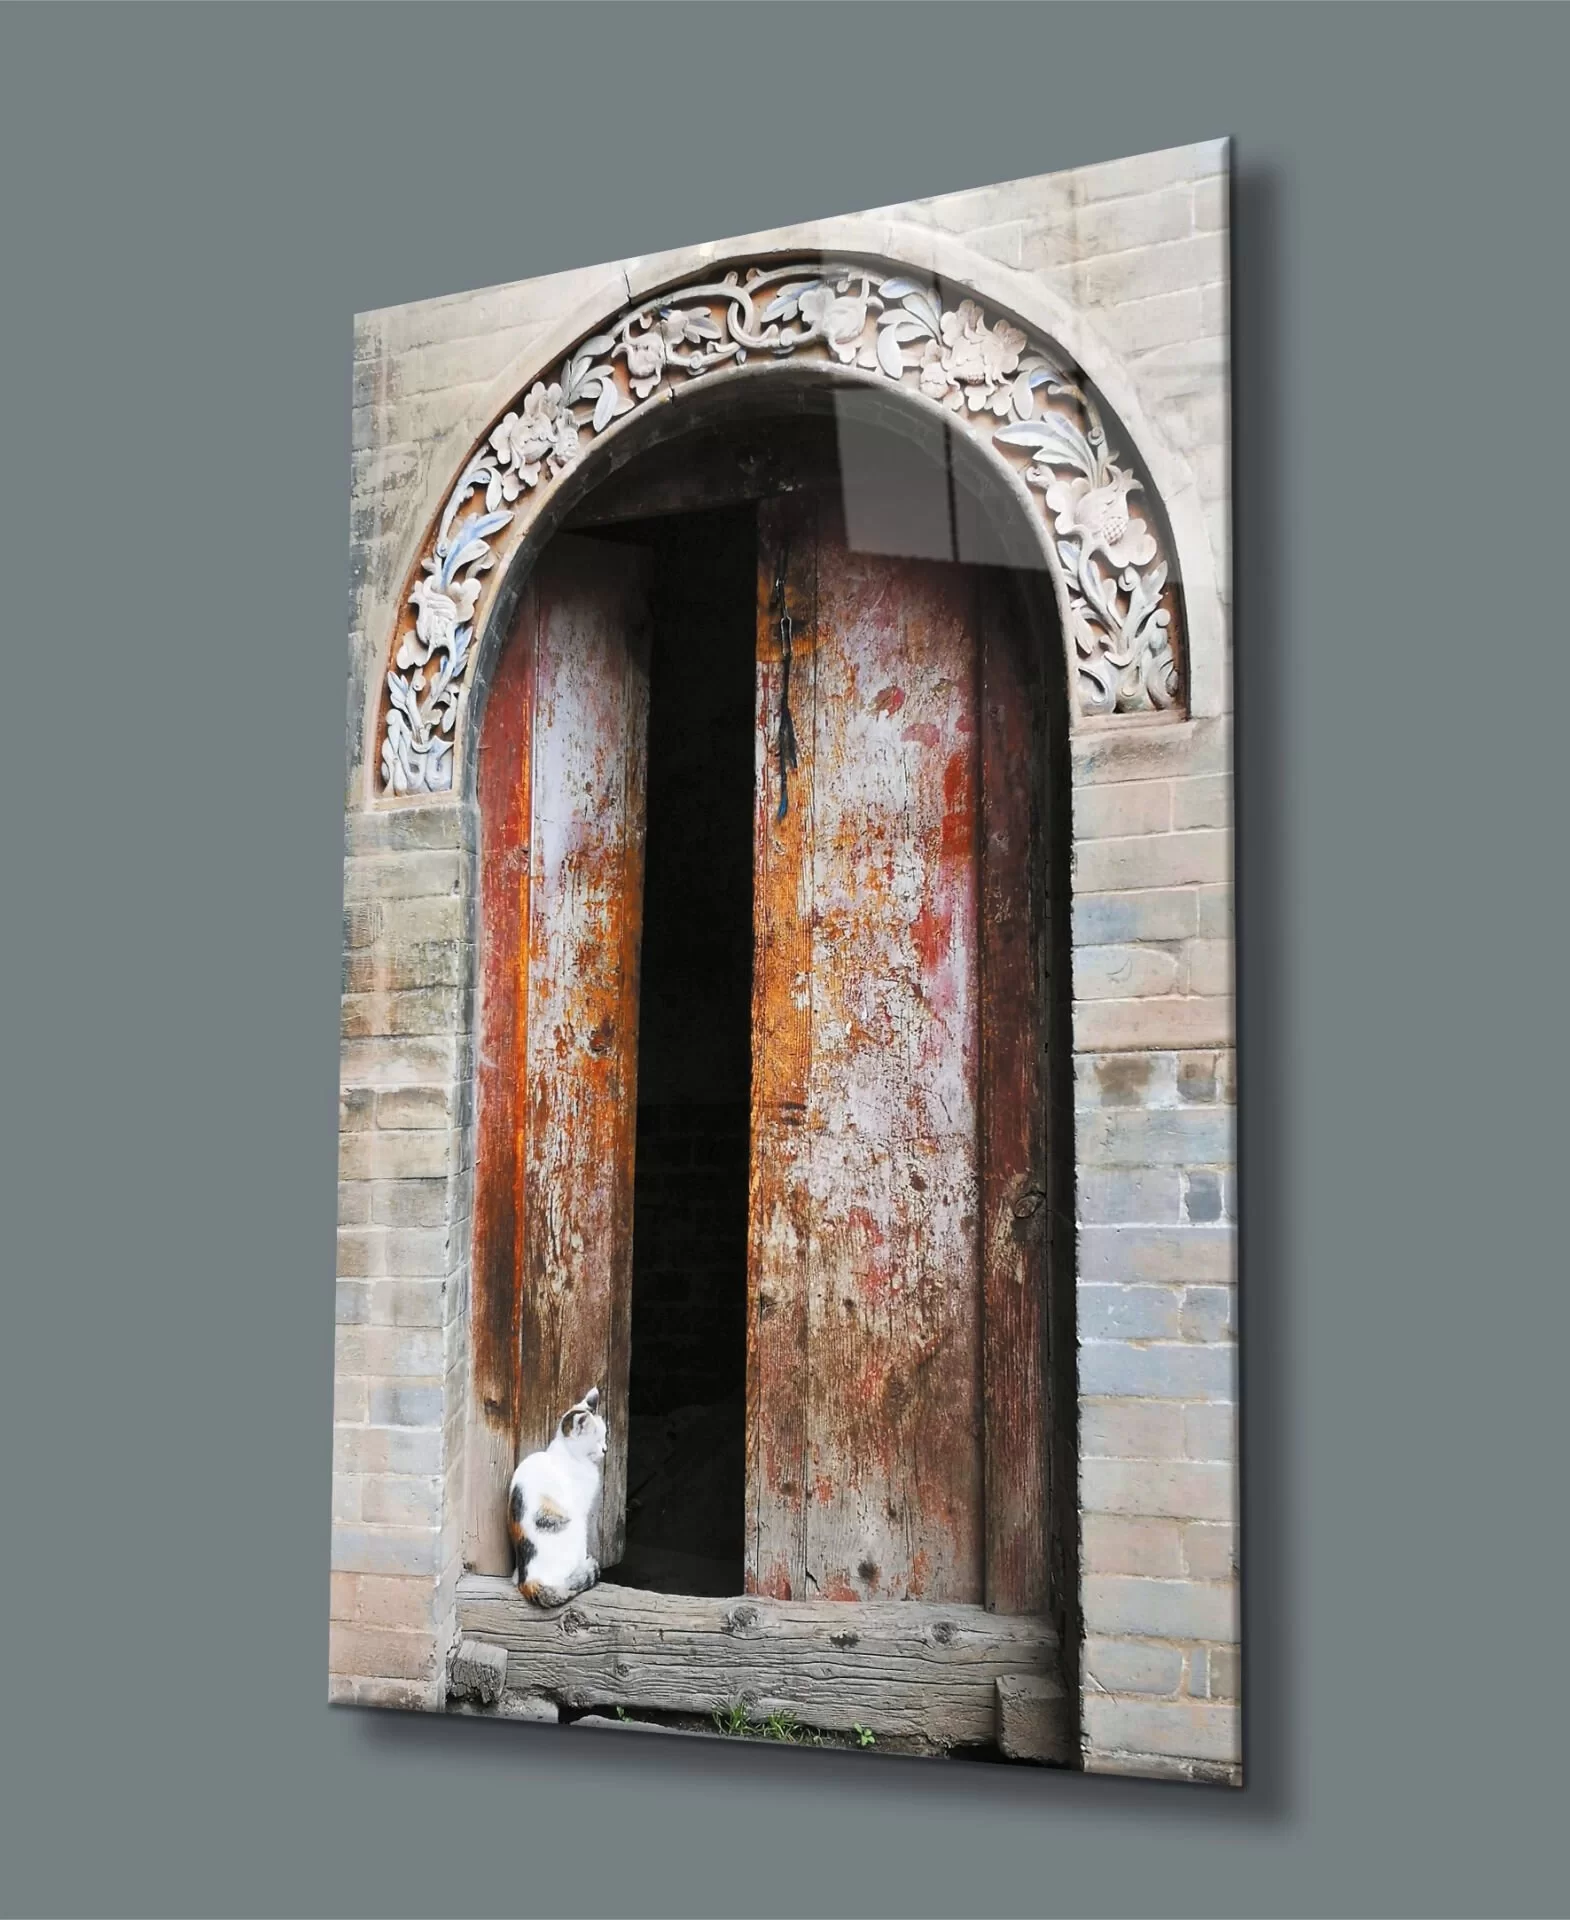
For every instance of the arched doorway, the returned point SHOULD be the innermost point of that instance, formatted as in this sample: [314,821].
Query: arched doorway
[874,983]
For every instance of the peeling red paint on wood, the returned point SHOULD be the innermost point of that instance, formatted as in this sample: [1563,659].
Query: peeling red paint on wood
[558,1071]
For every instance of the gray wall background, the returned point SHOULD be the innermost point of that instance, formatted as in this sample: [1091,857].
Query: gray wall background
[195,200]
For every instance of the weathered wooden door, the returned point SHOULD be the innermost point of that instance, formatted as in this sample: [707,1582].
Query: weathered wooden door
[898,1232]
[561,785]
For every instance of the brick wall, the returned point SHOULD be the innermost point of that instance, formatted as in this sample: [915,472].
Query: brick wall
[1133,255]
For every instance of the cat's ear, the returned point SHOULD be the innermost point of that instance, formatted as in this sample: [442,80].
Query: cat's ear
[592,1399]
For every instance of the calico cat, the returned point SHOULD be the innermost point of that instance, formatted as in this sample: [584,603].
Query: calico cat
[550,1504]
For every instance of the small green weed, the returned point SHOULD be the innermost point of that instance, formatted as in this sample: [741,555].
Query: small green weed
[865,1737]
[738,1719]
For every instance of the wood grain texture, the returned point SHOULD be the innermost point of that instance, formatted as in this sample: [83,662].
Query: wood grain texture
[505,794]
[1015,1211]
[779,1203]
[900,1667]
[585,923]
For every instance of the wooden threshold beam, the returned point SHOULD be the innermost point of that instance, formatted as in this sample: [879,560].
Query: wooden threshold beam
[900,1667]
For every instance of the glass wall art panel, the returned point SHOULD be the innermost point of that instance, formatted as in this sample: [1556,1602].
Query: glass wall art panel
[787,1254]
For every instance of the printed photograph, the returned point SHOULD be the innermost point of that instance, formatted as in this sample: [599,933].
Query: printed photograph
[786,1282]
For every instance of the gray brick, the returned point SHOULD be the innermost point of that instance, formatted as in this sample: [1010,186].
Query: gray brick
[1204,1200]
[356,1109]
[1130,1137]
[1116,1604]
[1209,1313]
[401,966]
[1129,1313]
[386,1550]
[1196,1078]
[1133,1666]
[1123,973]
[1195,1729]
[412,1203]
[1176,1489]
[415,1253]
[1111,919]
[1112,1194]
[1125,1080]
[1161,1372]
[354,1203]
[1157,1256]
[387,1449]
[1208,966]
[403,1404]
[401,1499]
[413,1353]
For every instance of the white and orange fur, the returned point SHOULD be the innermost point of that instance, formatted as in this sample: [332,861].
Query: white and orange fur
[551,1505]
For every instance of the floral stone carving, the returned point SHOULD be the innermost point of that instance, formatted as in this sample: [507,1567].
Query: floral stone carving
[1017,391]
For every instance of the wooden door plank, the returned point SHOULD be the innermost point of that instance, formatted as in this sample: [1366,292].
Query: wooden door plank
[585,919]
[1015,1211]
[505,792]
[894,1440]
[779,1204]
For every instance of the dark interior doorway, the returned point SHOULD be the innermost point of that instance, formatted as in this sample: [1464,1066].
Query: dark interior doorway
[687,1392]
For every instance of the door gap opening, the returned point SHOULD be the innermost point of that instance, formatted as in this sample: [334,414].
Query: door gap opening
[686,1409]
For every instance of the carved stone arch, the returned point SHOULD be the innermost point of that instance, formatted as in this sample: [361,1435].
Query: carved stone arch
[1103,528]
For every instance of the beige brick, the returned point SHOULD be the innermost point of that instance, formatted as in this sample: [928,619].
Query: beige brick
[366,1449]
[1211,203]
[368,1600]
[403,966]
[1121,973]
[1145,172]
[1182,1489]
[1123,807]
[1117,1604]
[358,1690]
[1136,326]
[1215,912]
[406,1550]
[402,876]
[401,1500]
[382,1061]
[1210,1552]
[382,1652]
[387,1353]
[346,1496]
[1210,966]
[415,1107]
[1137,220]
[1174,751]
[419,1154]
[354,1203]
[1113,1543]
[1180,266]
[1107,1026]
[1153,860]
[1210,1431]
[350,1399]
[1130,1430]
[1133,1666]
[419,1011]
[1203,800]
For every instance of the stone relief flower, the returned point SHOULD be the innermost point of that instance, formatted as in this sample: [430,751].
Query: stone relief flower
[842,318]
[1099,517]
[439,612]
[544,432]
[1120,623]
[981,359]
